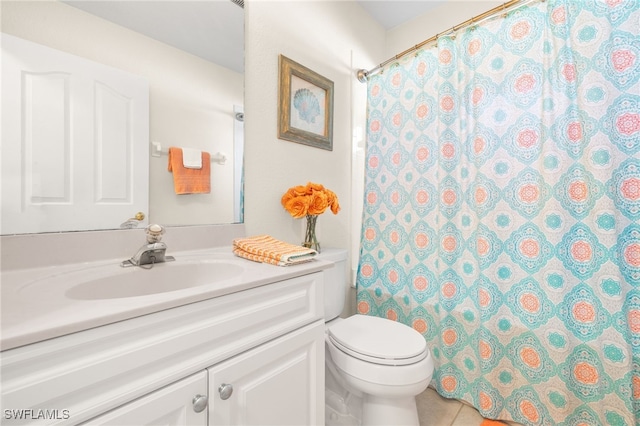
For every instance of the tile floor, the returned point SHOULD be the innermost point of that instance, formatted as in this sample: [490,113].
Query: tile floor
[434,410]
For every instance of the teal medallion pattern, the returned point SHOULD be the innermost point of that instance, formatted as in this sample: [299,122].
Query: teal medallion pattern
[483,195]
[525,138]
[578,191]
[573,130]
[581,252]
[584,371]
[583,313]
[529,303]
[487,398]
[524,83]
[451,380]
[525,407]
[487,297]
[422,240]
[485,246]
[530,357]
[622,122]
[452,290]
[568,71]
[481,144]
[618,59]
[529,248]
[527,193]
[624,188]
[582,416]
[489,350]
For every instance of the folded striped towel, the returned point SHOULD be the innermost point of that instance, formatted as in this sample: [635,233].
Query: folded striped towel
[266,249]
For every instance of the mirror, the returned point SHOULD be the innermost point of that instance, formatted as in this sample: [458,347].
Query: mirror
[192,55]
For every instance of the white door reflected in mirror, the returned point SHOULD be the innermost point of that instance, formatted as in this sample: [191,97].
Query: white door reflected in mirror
[74,138]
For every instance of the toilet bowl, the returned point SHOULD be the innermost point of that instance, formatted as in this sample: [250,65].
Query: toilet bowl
[375,367]
[385,362]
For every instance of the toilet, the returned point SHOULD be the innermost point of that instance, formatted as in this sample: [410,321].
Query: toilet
[374,367]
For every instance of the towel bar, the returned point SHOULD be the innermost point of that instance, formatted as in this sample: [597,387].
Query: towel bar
[157,151]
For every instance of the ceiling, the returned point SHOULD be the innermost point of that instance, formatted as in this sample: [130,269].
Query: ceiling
[391,13]
[182,24]
[219,22]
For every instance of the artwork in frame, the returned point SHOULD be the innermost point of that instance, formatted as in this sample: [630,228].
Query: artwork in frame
[305,100]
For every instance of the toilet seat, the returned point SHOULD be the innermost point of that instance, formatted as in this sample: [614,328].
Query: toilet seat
[378,340]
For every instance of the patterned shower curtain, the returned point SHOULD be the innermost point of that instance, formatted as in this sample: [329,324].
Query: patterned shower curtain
[502,211]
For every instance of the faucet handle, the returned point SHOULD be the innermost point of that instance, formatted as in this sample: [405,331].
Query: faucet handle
[154,233]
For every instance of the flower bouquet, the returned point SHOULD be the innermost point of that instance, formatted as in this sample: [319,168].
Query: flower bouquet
[310,200]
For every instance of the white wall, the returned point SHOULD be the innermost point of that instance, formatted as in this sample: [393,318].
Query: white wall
[191,100]
[333,39]
[435,21]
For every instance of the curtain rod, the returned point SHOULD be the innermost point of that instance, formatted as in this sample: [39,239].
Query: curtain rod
[363,74]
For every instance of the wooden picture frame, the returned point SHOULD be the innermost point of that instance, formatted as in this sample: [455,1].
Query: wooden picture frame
[305,105]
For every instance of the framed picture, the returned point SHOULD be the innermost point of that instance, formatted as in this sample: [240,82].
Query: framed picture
[305,104]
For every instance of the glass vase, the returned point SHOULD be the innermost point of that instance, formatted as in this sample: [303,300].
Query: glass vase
[310,239]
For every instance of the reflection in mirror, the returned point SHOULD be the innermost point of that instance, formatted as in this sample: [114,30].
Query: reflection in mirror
[194,101]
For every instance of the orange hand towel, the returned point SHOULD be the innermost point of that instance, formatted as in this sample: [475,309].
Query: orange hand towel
[266,249]
[190,181]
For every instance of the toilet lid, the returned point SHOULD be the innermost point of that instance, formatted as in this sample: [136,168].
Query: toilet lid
[378,340]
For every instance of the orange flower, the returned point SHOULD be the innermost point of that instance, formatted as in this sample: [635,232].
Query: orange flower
[298,206]
[332,199]
[300,190]
[319,203]
[312,199]
[286,197]
[315,187]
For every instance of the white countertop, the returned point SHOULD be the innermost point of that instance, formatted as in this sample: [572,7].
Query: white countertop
[34,306]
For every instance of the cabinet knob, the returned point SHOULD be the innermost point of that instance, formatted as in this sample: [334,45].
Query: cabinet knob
[225,391]
[200,403]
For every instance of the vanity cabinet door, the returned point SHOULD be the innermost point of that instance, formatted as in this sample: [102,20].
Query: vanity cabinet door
[178,404]
[278,383]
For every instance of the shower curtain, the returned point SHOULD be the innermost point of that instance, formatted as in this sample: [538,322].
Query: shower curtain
[502,207]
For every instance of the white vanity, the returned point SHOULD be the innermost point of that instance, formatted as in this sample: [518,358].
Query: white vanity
[247,348]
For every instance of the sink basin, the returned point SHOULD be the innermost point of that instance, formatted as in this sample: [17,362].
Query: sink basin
[114,282]
[162,278]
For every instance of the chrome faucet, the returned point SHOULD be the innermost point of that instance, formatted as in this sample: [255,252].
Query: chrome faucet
[151,253]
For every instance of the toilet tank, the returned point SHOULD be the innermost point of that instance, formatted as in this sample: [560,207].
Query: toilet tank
[335,282]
